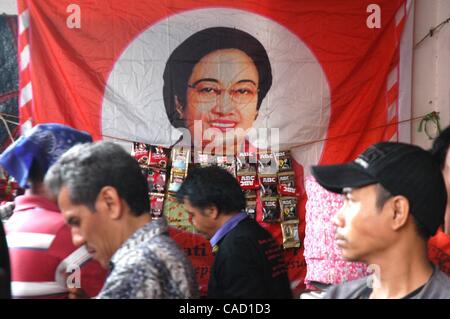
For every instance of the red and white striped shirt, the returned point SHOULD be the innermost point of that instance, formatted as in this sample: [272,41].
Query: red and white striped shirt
[41,252]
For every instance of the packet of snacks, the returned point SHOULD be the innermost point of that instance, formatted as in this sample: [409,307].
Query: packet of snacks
[288,207]
[176,179]
[246,163]
[140,153]
[267,164]
[156,179]
[203,159]
[286,184]
[268,185]
[250,208]
[158,157]
[289,230]
[270,209]
[284,161]
[227,162]
[156,205]
[180,159]
[249,193]
[248,181]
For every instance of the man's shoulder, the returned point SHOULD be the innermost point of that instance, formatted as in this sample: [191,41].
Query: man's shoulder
[249,228]
[347,290]
[151,253]
[248,239]
[437,288]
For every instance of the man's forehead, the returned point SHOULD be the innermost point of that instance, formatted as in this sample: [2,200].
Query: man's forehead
[63,195]
[347,190]
[65,204]
[187,202]
[363,190]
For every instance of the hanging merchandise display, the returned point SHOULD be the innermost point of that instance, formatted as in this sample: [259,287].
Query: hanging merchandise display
[158,157]
[290,234]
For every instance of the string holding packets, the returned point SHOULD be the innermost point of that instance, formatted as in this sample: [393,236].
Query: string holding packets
[434,118]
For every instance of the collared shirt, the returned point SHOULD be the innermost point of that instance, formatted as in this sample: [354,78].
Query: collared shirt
[149,264]
[28,202]
[226,227]
[41,251]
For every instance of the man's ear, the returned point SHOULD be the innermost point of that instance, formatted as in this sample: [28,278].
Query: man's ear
[400,213]
[211,211]
[179,108]
[109,201]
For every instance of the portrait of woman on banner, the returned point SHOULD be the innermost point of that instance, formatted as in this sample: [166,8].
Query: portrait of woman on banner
[214,84]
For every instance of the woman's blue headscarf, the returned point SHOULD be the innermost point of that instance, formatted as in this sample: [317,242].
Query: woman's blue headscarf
[44,143]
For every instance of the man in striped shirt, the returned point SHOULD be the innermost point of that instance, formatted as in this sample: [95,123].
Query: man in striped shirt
[44,261]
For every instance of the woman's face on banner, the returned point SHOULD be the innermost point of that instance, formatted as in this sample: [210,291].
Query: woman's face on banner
[222,94]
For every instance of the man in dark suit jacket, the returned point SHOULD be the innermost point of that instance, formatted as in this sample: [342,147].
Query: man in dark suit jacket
[248,261]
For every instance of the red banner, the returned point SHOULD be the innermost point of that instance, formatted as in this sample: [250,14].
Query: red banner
[326,84]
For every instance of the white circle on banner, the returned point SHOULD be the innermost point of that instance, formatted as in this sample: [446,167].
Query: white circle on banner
[297,104]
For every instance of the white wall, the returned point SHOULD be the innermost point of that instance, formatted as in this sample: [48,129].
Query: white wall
[431,66]
[8,6]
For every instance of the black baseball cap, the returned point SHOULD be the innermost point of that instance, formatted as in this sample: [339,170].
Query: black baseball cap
[402,169]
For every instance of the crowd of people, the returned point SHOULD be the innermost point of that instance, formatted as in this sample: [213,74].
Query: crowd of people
[82,229]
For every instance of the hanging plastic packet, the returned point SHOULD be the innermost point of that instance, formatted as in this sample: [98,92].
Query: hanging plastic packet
[248,181]
[156,205]
[288,207]
[140,153]
[284,161]
[227,162]
[158,157]
[246,163]
[268,185]
[289,229]
[180,159]
[203,159]
[250,208]
[270,209]
[267,164]
[286,184]
[176,179]
[249,193]
[156,179]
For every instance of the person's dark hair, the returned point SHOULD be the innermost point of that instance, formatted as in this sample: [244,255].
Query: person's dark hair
[183,59]
[383,195]
[441,146]
[85,169]
[213,185]
[36,174]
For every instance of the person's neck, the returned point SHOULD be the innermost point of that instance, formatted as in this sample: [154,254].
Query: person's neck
[37,189]
[401,270]
[223,218]
[132,224]
[447,219]
[218,224]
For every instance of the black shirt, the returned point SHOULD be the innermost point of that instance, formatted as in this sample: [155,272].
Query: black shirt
[437,287]
[249,264]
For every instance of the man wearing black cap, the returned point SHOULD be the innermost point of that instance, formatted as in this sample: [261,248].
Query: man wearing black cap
[395,199]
